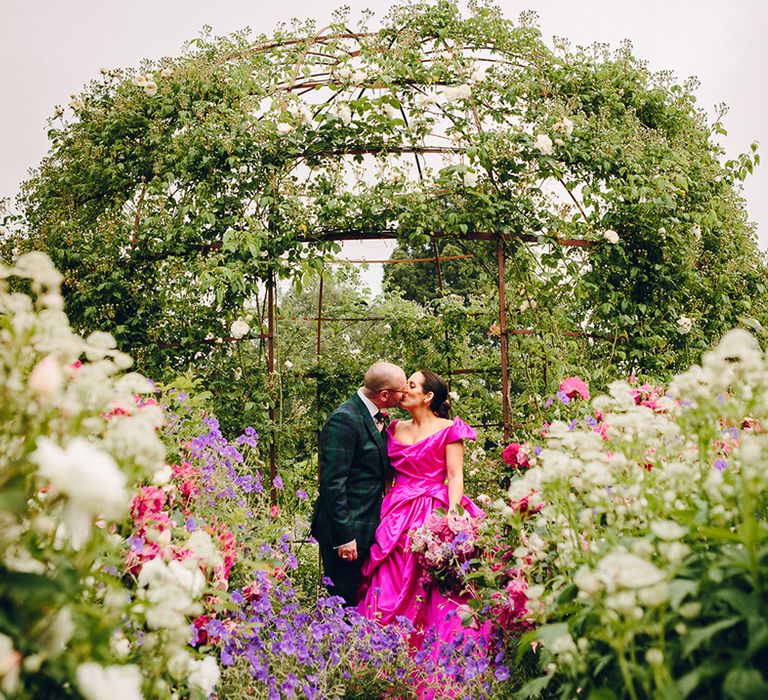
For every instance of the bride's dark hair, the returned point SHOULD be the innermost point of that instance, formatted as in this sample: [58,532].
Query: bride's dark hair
[439,388]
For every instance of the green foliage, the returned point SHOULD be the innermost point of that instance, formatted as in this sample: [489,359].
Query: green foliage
[173,194]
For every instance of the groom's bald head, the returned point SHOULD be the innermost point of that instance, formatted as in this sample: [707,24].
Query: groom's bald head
[383,375]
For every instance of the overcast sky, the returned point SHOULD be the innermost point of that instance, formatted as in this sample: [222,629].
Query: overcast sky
[49,49]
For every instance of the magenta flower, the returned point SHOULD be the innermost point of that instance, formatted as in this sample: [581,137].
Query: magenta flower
[574,387]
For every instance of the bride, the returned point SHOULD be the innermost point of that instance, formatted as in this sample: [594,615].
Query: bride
[424,451]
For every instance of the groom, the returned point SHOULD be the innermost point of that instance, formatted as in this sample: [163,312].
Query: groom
[353,469]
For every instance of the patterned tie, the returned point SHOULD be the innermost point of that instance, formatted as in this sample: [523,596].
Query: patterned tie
[381,420]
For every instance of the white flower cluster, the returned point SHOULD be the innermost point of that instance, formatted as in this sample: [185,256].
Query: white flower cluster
[77,434]
[615,507]
[145,82]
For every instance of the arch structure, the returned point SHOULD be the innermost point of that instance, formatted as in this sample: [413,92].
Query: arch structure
[177,195]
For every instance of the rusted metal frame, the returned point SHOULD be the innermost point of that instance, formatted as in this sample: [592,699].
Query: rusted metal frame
[504,339]
[315,319]
[384,235]
[396,261]
[384,149]
[214,341]
[271,382]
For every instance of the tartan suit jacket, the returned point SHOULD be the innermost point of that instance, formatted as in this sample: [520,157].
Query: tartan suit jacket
[353,468]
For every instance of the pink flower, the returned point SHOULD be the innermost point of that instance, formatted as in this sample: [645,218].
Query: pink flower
[515,455]
[573,387]
[602,430]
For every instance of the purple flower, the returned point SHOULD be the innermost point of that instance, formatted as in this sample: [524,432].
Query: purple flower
[548,402]
[137,544]
[721,465]
[564,398]
[191,524]
[302,495]
[277,482]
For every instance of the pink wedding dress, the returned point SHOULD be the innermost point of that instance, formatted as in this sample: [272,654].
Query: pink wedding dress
[393,581]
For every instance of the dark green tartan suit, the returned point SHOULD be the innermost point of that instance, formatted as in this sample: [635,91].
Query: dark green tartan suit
[353,469]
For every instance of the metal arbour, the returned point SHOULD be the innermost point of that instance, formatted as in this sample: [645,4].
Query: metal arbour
[326,57]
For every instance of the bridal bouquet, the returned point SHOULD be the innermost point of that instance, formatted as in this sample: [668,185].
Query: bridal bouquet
[445,546]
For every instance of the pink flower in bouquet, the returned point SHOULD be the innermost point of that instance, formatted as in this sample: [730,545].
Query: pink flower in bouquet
[438,525]
[515,455]
[574,387]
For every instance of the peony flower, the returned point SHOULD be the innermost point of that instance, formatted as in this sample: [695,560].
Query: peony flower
[239,329]
[46,379]
[684,325]
[611,236]
[544,144]
[574,387]
[98,682]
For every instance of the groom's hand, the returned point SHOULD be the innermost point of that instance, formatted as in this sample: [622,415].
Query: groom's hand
[348,551]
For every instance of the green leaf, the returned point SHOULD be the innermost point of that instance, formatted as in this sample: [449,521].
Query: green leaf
[695,638]
[745,684]
[533,688]
[679,589]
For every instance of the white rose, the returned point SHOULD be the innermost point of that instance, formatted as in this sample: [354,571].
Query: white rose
[457,92]
[162,476]
[46,379]
[470,178]
[453,396]
[544,144]
[140,80]
[344,113]
[167,72]
[684,325]
[89,478]
[564,126]
[611,236]
[204,674]
[151,88]
[283,128]
[239,329]
[696,231]
[201,543]
[98,682]
[423,101]
[478,75]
